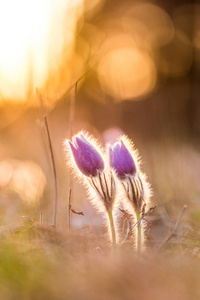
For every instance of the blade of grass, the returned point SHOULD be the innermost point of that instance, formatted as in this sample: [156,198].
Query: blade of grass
[50,147]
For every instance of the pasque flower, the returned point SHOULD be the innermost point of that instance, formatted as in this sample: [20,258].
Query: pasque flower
[90,161]
[121,160]
[87,158]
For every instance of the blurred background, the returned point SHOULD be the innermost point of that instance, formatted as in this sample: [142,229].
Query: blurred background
[137,64]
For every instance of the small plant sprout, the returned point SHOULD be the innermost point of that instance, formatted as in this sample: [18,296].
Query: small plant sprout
[87,160]
[125,162]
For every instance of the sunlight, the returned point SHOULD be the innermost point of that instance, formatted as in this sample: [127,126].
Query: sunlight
[126,73]
[32,37]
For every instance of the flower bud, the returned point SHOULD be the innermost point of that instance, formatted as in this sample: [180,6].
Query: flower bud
[121,160]
[86,156]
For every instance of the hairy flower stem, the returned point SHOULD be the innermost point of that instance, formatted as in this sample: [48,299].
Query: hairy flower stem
[112,227]
[138,235]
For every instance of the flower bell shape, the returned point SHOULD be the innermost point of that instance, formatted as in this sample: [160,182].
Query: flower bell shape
[122,161]
[86,156]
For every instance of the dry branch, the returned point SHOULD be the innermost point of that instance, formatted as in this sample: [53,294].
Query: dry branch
[173,231]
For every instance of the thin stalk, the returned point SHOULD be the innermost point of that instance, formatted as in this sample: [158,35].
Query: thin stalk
[72,110]
[138,234]
[173,230]
[69,208]
[112,227]
[54,171]
[71,121]
[51,155]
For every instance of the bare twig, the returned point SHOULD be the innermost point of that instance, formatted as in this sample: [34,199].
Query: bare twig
[69,205]
[150,210]
[80,213]
[74,85]
[71,120]
[72,109]
[54,171]
[174,229]
[52,159]
[126,216]
[185,234]
[145,214]
[85,73]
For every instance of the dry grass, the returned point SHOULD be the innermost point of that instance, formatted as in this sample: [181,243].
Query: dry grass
[37,262]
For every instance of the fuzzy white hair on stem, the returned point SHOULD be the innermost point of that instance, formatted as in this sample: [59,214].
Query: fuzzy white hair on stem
[87,160]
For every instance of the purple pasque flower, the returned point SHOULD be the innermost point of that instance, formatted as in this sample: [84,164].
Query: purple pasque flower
[121,160]
[87,157]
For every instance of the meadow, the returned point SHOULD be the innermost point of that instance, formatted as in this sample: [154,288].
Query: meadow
[39,261]
[100,151]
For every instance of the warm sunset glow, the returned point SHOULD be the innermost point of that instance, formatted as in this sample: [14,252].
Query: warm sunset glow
[33,35]
[126,73]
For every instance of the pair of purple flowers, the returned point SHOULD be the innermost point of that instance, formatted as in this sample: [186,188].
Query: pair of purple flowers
[123,164]
[90,162]
[104,173]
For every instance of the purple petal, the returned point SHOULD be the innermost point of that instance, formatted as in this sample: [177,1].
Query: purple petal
[117,160]
[78,159]
[128,162]
[87,158]
[121,160]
